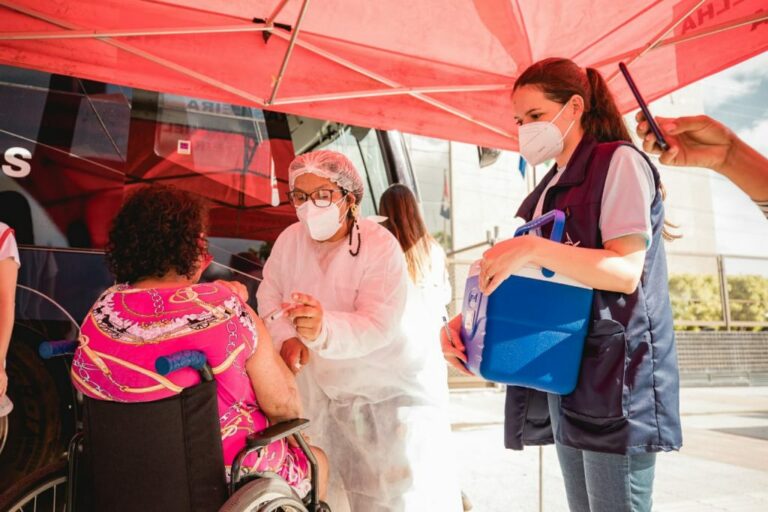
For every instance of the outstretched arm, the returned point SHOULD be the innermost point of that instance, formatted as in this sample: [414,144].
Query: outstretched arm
[274,384]
[700,141]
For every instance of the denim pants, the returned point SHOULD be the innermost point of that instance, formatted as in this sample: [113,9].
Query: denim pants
[604,482]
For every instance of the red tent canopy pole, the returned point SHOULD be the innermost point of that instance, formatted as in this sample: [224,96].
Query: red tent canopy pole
[272,17]
[188,72]
[288,52]
[658,38]
[98,34]
[597,41]
[395,91]
[250,97]
[144,55]
[658,22]
[392,84]
[758,17]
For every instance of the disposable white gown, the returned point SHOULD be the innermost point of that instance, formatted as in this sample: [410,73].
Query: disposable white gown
[374,409]
[422,322]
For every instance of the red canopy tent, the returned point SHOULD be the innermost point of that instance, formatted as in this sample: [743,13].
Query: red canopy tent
[442,68]
[435,67]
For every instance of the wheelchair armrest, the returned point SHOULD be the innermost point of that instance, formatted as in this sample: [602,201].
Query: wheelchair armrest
[275,432]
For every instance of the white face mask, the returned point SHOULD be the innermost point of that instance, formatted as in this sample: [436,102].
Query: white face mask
[322,223]
[542,140]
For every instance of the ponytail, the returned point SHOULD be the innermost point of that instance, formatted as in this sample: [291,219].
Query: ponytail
[604,122]
[602,119]
[666,232]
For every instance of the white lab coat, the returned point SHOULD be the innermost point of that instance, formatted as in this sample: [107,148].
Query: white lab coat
[372,411]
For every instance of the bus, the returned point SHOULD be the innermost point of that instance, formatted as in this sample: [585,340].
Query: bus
[70,150]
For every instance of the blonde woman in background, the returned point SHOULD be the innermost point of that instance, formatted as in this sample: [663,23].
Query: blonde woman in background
[429,292]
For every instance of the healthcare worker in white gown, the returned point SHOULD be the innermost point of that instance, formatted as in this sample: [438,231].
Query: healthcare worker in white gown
[343,282]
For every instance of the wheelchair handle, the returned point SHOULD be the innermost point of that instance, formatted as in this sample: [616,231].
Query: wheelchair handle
[178,360]
[51,349]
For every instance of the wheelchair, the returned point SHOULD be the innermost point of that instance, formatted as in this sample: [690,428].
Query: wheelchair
[166,455]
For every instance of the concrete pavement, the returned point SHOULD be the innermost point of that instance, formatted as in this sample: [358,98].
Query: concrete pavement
[723,465]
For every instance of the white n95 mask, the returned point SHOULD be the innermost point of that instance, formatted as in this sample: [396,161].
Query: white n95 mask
[322,223]
[542,140]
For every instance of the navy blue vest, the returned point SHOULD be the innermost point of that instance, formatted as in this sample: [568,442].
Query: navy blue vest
[627,397]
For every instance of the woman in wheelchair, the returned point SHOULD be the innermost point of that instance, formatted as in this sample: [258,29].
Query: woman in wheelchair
[157,251]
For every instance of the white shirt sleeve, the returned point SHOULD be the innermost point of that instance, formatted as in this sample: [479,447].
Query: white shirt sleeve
[627,197]
[9,249]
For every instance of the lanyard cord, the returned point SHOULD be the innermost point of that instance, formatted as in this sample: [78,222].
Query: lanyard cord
[355,227]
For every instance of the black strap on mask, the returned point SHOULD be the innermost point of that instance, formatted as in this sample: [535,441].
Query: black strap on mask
[355,229]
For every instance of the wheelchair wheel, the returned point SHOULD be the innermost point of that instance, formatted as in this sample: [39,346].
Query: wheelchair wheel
[323,507]
[3,432]
[264,495]
[47,493]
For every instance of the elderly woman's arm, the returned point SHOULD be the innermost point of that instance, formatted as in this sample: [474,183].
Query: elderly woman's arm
[274,384]
[271,291]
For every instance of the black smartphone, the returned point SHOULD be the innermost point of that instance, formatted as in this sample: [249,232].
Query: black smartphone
[660,141]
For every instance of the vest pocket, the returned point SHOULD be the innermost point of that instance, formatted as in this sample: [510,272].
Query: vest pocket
[599,395]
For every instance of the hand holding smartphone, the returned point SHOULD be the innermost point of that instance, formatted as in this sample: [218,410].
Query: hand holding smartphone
[660,140]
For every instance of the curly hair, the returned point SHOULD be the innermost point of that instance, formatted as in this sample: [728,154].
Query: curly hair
[157,230]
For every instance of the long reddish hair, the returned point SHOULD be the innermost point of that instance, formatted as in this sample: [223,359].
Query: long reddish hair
[404,220]
[561,79]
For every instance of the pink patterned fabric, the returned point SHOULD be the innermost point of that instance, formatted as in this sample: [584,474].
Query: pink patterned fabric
[128,328]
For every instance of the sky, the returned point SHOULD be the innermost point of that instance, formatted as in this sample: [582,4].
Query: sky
[740,100]
[738,97]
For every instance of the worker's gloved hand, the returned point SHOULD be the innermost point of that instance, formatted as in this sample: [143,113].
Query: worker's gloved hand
[307,316]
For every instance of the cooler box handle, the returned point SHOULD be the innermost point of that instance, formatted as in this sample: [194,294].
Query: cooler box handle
[555,216]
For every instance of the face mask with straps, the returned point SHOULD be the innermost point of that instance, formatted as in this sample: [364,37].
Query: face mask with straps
[354,229]
[323,222]
[542,140]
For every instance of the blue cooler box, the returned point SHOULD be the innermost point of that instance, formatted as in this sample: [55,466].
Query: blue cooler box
[530,332]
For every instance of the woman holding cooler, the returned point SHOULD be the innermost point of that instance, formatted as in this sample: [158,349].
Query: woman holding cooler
[625,407]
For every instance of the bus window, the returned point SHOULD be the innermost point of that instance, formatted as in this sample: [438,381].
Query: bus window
[236,157]
[375,168]
[63,143]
